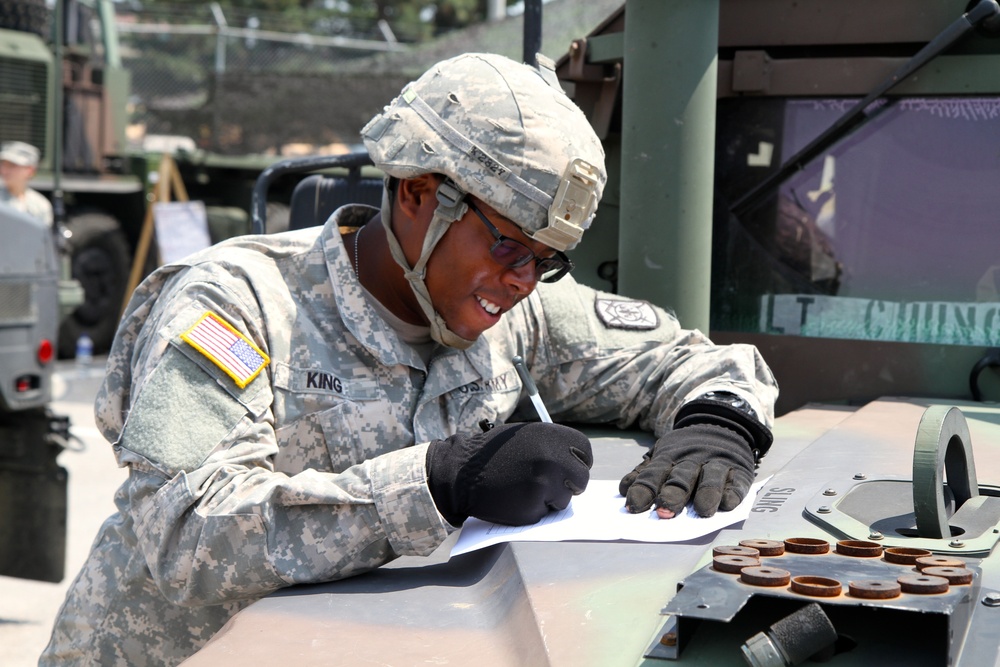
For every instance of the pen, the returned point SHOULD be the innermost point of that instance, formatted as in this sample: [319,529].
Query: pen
[529,384]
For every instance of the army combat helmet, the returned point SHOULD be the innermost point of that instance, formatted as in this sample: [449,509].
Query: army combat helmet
[502,131]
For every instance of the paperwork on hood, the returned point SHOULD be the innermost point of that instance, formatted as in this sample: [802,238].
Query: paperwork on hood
[599,514]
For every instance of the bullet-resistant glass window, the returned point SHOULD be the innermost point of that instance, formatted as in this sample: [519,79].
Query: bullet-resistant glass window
[889,235]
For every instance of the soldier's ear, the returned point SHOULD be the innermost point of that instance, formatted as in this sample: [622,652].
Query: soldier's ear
[416,197]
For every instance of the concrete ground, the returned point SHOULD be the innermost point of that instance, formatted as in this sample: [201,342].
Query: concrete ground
[28,608]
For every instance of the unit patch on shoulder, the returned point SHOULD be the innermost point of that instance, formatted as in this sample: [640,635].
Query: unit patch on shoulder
[626,314]
[227,348]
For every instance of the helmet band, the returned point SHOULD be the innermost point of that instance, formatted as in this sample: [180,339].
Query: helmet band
[449,209]
[477,153]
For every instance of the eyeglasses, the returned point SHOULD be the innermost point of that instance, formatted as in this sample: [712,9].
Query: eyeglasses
[512,254]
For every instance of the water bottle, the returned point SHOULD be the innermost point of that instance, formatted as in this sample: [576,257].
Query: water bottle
[84,351]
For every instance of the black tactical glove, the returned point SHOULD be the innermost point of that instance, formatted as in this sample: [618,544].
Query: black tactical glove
[710,454]
[513,474]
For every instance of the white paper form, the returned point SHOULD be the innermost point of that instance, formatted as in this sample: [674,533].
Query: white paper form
[599,514]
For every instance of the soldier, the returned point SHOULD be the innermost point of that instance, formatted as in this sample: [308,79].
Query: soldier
[18,164]
[306,406]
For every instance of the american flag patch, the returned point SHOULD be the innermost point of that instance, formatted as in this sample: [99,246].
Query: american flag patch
[227,348]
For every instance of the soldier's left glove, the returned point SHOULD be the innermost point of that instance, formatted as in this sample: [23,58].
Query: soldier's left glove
[709,456]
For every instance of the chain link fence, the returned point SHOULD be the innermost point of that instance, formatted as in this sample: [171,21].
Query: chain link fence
[252,82]
[193,66]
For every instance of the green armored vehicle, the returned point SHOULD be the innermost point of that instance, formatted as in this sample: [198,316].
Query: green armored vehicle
[98,182]
[817,178]
[32,484]
[97,189]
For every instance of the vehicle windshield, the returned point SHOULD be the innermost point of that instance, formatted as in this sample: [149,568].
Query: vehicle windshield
[889,235]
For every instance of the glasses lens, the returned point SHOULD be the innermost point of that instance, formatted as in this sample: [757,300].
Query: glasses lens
[509,252]
[513,254]
[552,269]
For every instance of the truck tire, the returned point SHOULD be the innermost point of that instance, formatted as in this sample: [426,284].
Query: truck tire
[24,16]
[102,263]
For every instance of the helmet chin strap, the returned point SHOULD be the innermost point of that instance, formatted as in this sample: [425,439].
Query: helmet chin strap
[449,209]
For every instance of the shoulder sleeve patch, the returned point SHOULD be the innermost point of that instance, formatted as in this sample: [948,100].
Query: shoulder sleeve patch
[626,314]
[227,348]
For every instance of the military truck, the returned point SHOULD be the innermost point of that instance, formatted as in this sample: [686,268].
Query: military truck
[816,178]
[32,483]
[101,188]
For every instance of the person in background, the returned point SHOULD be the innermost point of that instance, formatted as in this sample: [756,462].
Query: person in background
[308,406]
[18,164]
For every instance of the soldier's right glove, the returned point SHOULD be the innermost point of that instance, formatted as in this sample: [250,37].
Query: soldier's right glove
[512,475]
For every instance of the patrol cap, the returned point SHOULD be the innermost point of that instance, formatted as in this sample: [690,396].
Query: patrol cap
[504,132]
[20,153]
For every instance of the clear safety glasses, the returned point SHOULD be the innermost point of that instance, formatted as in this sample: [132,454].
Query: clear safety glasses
[512,254]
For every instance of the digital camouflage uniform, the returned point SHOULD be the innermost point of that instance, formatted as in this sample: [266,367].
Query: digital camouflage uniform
[311,472]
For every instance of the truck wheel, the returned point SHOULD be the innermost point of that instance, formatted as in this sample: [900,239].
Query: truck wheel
[24,16]
[101,262]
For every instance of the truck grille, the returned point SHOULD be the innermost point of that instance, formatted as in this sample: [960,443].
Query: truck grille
[15,303]
[23,95]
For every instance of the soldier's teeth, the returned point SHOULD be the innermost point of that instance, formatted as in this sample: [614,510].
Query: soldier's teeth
[488,306]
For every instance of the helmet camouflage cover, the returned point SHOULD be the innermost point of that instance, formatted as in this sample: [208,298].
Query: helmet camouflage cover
[504,132]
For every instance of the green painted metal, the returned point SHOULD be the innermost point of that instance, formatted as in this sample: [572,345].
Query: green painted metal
[109,34]
[668,135]
[943,442]
[605,48]
[955,75]
[29,49]
[23,46]
[117,82]
[56,129]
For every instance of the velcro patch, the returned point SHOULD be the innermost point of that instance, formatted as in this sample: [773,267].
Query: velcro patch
[626,314]
[227,348]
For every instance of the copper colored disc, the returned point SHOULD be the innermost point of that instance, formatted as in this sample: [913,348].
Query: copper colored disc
[816,586]
[765,547]
[905,555]
[733,564]
[954,575]
[922,584]
[806,545]
[938,561]
[726,550]
[765,576]
[874,589]
[859,548]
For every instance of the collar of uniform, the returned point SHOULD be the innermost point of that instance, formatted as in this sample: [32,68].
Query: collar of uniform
[451,368]
[489,357]
[374,333]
